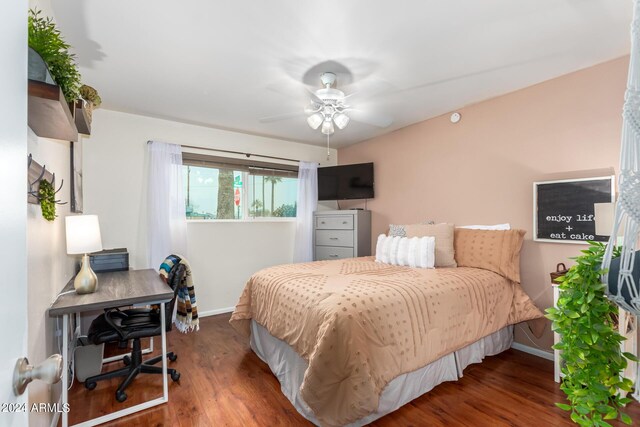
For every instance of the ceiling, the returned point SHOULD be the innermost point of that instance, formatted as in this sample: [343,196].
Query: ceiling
[226,64]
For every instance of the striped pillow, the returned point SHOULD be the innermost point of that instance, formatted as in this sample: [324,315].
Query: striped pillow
[416,252]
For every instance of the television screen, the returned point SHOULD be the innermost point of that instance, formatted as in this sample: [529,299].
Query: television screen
[346,182]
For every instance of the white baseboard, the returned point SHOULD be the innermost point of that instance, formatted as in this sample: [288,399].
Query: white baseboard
[531,350]
[216,311]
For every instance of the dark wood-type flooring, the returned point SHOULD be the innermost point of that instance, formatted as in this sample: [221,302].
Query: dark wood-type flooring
[224,383]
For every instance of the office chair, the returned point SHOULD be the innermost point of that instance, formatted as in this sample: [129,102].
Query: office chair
[117,325]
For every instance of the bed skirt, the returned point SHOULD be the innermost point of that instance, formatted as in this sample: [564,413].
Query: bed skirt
[289,368]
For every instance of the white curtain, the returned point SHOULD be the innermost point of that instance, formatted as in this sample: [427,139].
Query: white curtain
[307,204]
[166,217]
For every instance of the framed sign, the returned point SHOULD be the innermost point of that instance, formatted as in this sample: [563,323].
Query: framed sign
[563,210]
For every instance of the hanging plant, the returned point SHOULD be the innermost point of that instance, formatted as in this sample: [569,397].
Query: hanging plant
[590,343]
[47,197]
[45,38]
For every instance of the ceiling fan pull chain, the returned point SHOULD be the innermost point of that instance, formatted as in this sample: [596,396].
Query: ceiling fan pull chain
[328,152]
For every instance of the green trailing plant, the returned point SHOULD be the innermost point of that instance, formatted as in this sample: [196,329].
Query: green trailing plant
[89,94]
[47,197]
[45,38]
[590,343]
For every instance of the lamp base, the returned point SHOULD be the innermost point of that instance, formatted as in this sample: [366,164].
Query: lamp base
[86,281]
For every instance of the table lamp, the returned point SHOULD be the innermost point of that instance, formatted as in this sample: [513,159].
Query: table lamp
[604,217]
[83,237]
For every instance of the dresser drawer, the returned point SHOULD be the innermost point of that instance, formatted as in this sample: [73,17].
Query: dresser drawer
[334,222]
[332,252]
[334,238]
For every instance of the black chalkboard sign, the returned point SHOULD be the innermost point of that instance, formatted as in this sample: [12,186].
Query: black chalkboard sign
[563,210]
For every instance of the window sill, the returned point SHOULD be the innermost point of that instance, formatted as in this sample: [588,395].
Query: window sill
[252,220]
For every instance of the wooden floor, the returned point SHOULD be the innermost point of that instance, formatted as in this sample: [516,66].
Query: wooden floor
[224,383]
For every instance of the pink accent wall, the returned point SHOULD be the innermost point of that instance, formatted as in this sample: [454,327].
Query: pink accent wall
[481,170]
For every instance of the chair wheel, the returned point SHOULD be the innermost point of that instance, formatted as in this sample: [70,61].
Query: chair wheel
[126,360]
[173,357]
[90,385]
[121,396]
[175,375]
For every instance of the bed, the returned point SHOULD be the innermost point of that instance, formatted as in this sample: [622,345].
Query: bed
[352,340]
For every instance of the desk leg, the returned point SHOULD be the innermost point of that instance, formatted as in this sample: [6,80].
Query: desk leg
[65,369]
[165,381]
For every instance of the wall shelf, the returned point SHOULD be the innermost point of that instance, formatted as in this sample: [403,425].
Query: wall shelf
[83,124]
[49,113]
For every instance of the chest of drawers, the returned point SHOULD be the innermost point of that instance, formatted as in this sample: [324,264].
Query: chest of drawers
[341,234]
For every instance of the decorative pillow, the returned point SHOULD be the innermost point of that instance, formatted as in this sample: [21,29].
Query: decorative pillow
[505,226]
[443,234]
[413,252]
[493,250]
[399,230]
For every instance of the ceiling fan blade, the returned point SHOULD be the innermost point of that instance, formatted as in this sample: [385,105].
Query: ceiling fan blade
[373,119]
[278,117]
[314,97]
[368,89]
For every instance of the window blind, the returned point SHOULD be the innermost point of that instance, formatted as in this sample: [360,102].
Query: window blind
[254,167]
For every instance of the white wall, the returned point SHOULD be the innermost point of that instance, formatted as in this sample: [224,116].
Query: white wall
[49,267]
[223,255]
[13,211]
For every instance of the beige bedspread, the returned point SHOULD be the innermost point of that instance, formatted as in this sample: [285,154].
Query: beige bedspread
[360,324]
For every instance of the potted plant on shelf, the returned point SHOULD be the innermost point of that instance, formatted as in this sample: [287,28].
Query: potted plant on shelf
[592,358]
[91,99]
[45,39]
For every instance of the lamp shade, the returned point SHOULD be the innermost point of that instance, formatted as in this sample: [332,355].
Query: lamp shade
[327,126]
[341,120]
[83,234]
[315,120]
[604,217]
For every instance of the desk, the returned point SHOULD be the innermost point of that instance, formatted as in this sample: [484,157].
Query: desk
[115,289]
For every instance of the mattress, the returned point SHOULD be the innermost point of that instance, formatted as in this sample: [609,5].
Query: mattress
[290,368]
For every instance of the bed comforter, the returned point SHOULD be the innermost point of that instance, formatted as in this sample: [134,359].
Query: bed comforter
[359,323]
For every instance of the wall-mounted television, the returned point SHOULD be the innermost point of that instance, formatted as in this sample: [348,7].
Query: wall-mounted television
[346,182]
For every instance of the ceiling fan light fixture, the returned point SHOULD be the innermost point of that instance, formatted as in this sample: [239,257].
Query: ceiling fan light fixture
[315,120]
[312,108]
[341,120]
[327,126]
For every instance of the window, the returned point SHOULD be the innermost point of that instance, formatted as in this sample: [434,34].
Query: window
[272,195]
[224,188]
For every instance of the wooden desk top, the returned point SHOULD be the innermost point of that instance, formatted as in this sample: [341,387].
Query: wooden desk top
[115,289]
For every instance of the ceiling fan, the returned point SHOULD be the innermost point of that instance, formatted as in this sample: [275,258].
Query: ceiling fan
[328,109]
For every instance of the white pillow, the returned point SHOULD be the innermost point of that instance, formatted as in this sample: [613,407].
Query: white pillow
[417,252]
[505,226]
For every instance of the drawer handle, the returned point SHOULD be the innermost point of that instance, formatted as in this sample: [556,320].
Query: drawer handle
[333,256]
[344,222]
[333,238]
[322,222]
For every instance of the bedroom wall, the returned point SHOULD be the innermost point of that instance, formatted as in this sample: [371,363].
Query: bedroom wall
[223,254]
[481,170]
[49,268]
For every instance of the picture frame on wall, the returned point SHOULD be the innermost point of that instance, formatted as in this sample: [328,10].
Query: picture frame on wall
[76,177]
[563,210]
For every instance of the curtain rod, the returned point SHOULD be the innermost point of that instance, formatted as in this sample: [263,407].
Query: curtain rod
[241,153]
